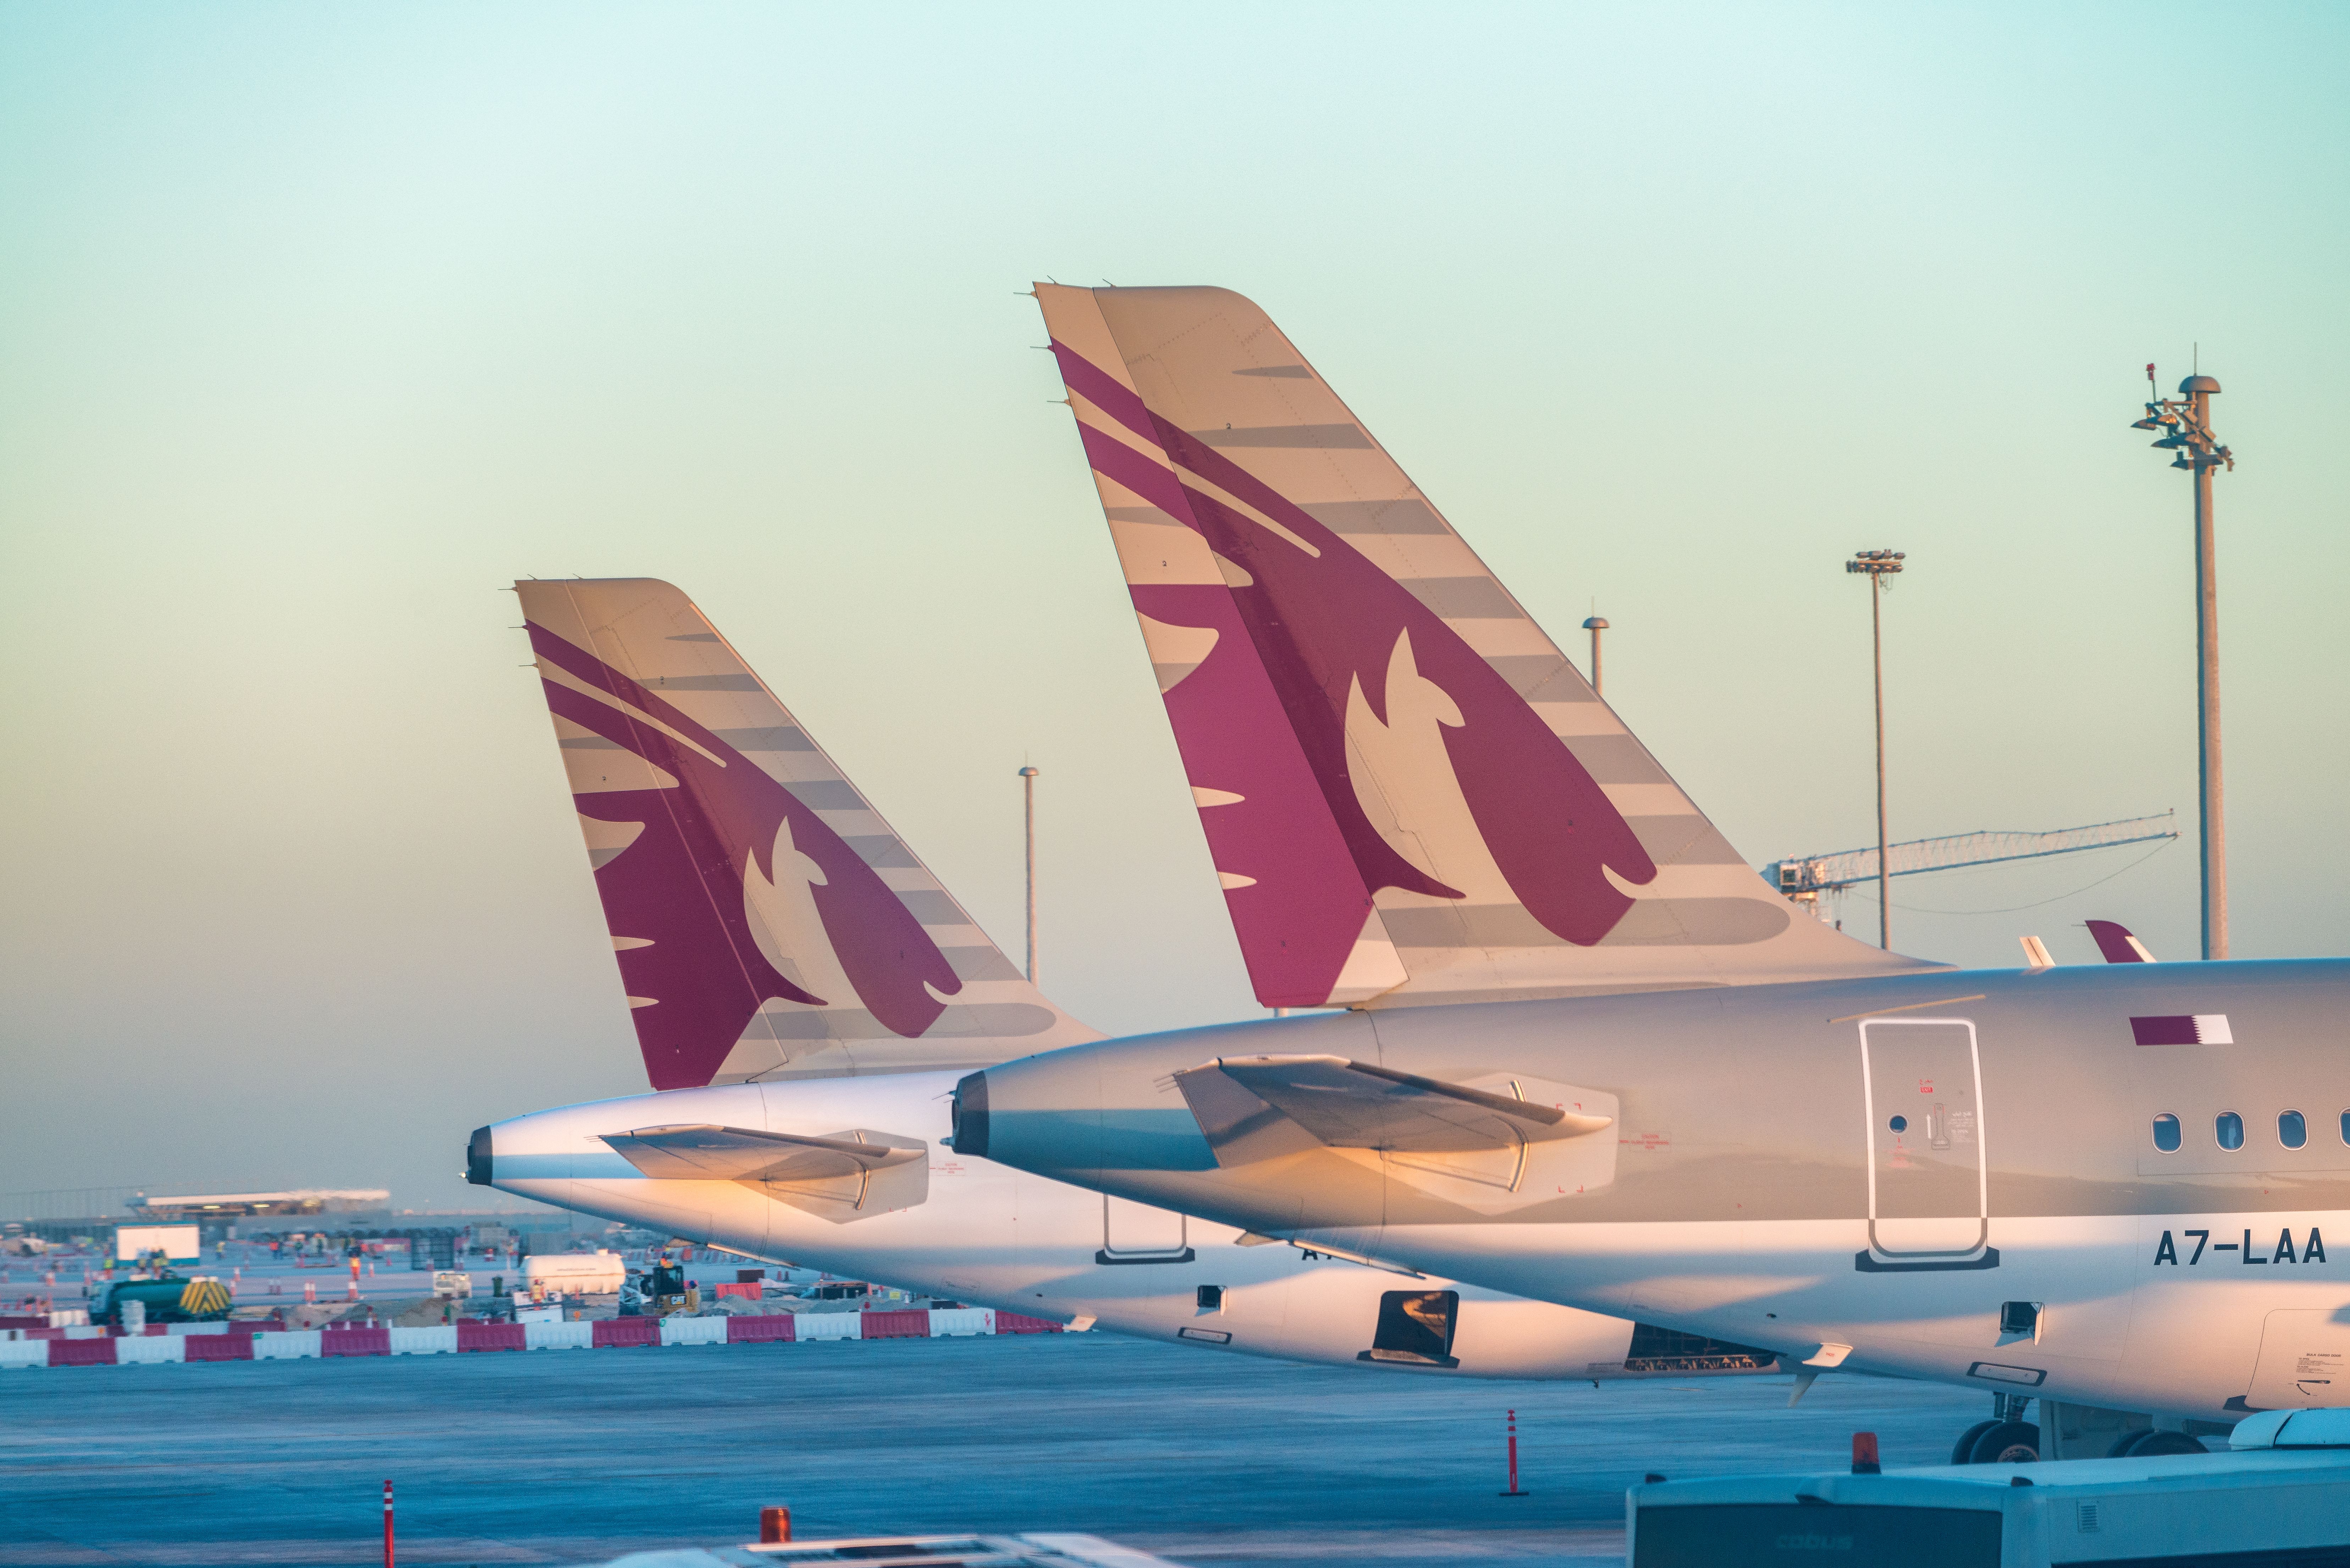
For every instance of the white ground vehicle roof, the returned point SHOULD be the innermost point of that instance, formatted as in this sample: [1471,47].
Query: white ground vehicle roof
[2265,1496]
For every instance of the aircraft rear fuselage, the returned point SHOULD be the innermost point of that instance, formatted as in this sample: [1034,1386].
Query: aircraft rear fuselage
[983,1234]
[1882,1165]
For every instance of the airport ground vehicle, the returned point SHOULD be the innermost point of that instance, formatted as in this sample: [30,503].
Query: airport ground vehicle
[162,1296]
[2275,1496]
[573,1274]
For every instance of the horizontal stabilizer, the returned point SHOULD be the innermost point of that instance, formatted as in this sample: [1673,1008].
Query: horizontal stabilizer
[1353,1105]
[707,1153]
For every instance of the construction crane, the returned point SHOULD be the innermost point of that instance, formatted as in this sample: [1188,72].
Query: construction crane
[1805,878]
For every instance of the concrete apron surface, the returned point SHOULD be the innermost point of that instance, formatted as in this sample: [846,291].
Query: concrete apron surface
[1197,1454]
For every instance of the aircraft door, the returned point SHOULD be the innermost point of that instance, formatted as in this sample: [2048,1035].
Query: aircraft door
[1137,1234]
[1928,1191]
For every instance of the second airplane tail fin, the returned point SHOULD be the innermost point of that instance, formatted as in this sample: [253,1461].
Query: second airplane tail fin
[1411,794]
[767,922]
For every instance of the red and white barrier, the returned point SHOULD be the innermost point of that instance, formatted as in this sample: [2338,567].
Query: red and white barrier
[181,1343]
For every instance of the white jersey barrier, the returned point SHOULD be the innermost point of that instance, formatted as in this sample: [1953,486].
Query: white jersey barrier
[295,1344]
[150,1348]
[695,1330]
[558,1335]
[828,1325]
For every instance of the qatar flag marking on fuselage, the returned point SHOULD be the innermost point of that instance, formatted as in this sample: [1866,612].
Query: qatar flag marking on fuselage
[2182,1029]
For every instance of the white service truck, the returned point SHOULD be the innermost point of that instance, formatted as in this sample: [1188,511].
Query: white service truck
[573,1274]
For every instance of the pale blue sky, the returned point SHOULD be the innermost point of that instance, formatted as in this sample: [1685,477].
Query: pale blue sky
[319,324]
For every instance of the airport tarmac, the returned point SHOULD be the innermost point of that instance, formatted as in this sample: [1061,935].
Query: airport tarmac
[560,1457]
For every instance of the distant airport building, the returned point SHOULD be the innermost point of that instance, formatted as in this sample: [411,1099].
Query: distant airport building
[241,1205]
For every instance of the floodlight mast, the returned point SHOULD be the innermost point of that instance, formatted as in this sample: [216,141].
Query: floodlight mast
[1028,793]
[1877,565]
[2186,420]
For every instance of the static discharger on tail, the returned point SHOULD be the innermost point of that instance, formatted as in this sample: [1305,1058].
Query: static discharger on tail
[1411,794]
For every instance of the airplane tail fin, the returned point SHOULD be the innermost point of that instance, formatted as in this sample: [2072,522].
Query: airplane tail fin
[2117,944]
[1411,796]
[767,923]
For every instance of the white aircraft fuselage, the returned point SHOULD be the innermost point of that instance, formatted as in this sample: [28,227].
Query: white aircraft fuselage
[2124,1186]
[980,1231]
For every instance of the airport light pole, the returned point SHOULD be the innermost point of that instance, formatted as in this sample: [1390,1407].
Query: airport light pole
[1029,787]
[1877,565]
[2185,422]
[1594,625]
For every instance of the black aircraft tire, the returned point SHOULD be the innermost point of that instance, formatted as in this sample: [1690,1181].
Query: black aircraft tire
[1962,1453]
[2007,1443]
[2122,1444]
[2157,1444]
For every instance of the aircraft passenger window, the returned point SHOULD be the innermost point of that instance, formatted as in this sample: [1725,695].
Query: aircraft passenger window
[2231,1130]
[2166,1133]
[1899,1124]
[1210,1298]
[2291,1131]
[2345,1126]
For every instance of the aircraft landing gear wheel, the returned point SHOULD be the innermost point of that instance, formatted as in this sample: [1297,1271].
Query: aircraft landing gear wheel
[2154,1444]
[1963,1451]
[2007,1443]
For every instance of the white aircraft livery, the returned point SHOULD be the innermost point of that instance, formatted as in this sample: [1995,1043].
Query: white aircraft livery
[1586,1054]
[806,994]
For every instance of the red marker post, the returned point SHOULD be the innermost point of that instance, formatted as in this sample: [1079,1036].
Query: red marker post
[1514,1490]
[387,1524]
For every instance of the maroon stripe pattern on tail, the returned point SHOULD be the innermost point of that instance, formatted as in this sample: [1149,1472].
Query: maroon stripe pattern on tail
[679,884]
[2113,942]
[1327,624]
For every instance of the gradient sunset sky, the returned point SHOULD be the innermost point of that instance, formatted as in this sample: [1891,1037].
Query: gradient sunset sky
[321,324]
